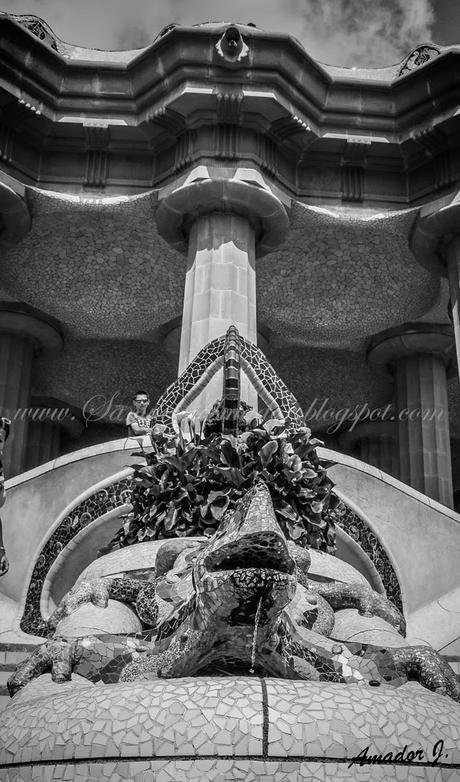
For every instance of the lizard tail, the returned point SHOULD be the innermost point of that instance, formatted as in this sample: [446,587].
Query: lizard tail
[232,382]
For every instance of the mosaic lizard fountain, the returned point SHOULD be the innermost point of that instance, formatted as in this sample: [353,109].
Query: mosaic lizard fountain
[198,608]
[201,648]
[199,603]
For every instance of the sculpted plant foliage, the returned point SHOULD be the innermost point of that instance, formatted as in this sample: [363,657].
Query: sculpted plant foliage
[191,478]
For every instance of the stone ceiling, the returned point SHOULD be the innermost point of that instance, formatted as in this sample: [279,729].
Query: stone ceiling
[101,268]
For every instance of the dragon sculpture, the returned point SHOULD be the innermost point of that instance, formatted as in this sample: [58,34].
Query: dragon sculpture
[242,601]
[246,600]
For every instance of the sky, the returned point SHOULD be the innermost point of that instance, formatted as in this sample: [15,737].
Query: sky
[369,33]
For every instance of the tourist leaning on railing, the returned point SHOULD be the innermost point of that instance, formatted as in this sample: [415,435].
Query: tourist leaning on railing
[138,420]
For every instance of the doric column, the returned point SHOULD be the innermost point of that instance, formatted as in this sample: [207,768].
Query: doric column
[222,225]
[452,252]
[435,242]
[24,333]
[220,284]
[419,355]
[374,442]
[49,421]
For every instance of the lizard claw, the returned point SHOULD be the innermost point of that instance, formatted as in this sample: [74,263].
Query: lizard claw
[57,655]
[95,591]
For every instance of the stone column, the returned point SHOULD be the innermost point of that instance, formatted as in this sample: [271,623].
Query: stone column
[222,225]
[24,332]
[374,442]
[49,421]
[419,355]
[43,443]
[453,270]
[16,355]
[435,242]
[220,283]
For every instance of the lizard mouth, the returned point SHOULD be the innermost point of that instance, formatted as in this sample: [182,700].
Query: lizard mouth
[265,550]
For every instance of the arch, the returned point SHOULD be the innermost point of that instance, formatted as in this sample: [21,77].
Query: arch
[78,516]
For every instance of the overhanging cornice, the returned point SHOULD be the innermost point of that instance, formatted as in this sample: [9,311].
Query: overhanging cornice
[123,122]
[59,86]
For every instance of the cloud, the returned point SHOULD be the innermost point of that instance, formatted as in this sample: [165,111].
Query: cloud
[363,32]
[132,37]
[340,32]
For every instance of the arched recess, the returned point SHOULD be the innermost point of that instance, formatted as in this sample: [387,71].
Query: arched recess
[77,555]
[112,494]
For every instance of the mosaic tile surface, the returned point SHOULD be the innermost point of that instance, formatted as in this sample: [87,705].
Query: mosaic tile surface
[216,770]
[83,514]
[273,392]
[340,276]
[354,526]
[226,729]
[314,287]
[88,263]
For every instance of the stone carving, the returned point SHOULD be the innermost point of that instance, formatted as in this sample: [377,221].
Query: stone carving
[241,602]
[231,46]
[4,432]
[38,27]
[285,454]
[118,493]
[419,56]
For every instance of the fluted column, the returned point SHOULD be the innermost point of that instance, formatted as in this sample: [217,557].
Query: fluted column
[24,332]
[435,242]
[43,443]
[16,357]
[424,443]
[220,284]
[49,421]
[419,356]
[453,271]
[221,224]
[374,442]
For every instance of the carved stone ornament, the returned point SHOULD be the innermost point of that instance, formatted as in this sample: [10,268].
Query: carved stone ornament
[419,56]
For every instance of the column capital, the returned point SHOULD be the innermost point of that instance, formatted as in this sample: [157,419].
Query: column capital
[411,339]
[437,225]
[246,195]
[24,321]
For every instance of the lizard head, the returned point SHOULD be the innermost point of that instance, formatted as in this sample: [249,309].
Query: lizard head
[246,564]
